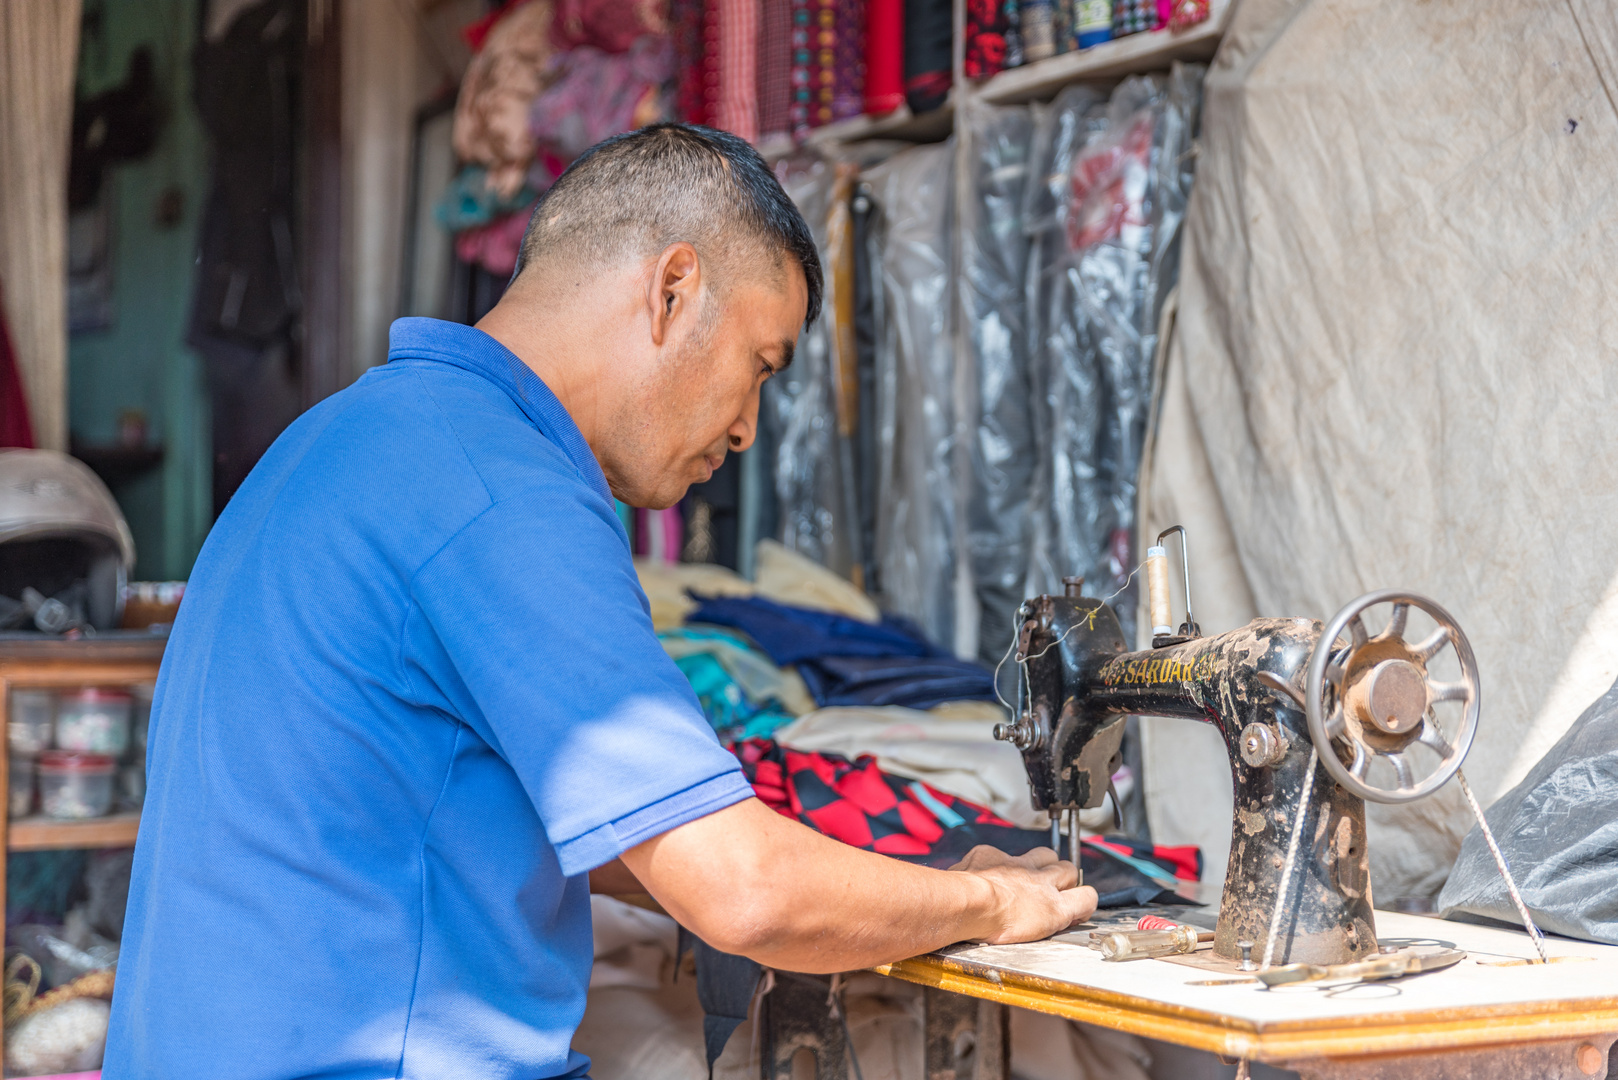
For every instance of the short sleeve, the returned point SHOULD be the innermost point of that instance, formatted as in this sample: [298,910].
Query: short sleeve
[530,627]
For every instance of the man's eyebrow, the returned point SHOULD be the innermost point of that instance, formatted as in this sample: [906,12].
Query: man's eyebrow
[787,348]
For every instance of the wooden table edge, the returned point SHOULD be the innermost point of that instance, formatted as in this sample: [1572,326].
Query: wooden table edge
[1439,1029]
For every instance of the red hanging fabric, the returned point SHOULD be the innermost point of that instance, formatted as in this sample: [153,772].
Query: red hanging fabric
[16,429]
[884,56]
[735,106]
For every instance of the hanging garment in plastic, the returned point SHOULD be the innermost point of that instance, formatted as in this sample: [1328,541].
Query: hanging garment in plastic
[813,481]
[1558,830]
[1105,223]
[994,259]
[920,473]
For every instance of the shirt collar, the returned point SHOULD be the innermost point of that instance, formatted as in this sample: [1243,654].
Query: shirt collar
[471,349]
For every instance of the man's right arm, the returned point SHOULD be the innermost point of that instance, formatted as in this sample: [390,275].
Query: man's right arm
[750,881]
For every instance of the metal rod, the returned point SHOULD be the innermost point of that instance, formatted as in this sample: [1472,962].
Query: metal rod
[1073,842]
[1185,567]
[1285,887]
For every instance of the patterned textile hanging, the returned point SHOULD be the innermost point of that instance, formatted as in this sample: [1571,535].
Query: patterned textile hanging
[825,61]
[802,68]
[735,104]
[774,77]
[686,19]
[848,92]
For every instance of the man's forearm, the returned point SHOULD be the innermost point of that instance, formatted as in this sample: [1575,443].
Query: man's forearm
[750,881]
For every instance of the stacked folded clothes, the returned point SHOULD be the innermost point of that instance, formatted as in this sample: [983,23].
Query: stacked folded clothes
[742,693]
[846,661]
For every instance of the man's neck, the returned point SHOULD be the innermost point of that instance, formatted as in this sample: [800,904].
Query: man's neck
[551,338]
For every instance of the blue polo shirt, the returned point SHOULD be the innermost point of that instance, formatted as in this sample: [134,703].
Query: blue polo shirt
[413,695]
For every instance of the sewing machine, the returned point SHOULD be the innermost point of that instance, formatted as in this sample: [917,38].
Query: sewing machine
[1307,712]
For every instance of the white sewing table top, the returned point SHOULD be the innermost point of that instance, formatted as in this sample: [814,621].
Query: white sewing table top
[1471,1004]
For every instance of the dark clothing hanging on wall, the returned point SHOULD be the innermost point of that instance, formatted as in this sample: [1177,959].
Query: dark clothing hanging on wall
[712,516]
[928,47]
[246,304]
[118,124]
[247,282]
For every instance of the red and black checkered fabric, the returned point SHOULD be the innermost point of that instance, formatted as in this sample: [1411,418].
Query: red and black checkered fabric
[856,802]
[859,804]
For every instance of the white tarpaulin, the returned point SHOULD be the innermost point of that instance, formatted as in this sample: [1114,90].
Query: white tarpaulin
[1395,365]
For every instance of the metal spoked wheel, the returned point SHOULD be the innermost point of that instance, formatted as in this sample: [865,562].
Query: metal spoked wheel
[1375,697]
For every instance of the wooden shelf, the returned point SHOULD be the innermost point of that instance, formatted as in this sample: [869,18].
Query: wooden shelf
[48,834]
[900,124]
[116,464]
[1132,55]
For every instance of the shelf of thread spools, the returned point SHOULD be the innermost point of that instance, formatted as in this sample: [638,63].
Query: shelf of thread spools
[1132,54]
[75,720]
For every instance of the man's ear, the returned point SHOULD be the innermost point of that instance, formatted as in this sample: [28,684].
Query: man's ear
[674,288]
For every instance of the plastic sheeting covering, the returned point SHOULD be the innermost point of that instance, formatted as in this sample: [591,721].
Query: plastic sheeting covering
[1395,340]
[994,261]
[1558,830]
[919,481]
[814,487]
[1104,216]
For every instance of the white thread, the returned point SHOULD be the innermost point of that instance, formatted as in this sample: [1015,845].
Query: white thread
[1292,854]
[1016,634]
[1505,871]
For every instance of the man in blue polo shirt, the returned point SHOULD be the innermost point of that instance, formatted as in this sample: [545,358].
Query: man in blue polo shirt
[414,697]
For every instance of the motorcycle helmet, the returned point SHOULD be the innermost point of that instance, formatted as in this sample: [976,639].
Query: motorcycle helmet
[62,539]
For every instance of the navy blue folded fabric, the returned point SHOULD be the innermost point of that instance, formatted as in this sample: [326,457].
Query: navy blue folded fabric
[792,634]
[914,682]
[844,661]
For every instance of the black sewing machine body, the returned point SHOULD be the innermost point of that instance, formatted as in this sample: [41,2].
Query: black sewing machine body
[1081,683]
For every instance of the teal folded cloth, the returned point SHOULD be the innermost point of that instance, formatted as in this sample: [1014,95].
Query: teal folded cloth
[739,688]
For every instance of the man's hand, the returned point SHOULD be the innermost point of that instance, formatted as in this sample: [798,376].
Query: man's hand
[752,882]
[1037,892]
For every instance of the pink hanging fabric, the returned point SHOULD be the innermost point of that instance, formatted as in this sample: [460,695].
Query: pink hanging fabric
[736,108]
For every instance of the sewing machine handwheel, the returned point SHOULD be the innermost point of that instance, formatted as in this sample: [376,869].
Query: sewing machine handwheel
[1376,697]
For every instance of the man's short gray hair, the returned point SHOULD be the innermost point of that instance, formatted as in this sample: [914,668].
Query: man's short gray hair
[637,193]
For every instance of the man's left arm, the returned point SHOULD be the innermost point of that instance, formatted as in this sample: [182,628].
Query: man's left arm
[615,879]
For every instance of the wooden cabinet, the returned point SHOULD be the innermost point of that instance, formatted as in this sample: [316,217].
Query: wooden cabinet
[64,665]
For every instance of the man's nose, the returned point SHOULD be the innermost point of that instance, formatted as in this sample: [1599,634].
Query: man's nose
[745,428]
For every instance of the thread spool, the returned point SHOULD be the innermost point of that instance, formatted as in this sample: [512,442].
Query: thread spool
[1155,922]
[1157,590]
